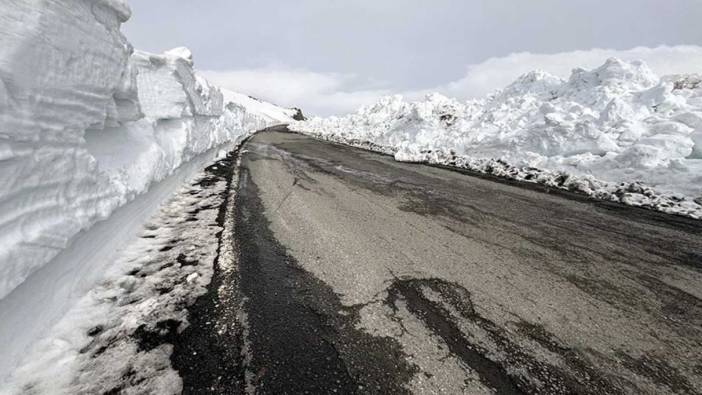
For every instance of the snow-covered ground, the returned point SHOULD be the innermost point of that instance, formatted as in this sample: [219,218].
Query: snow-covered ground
[618,132]
[94,137]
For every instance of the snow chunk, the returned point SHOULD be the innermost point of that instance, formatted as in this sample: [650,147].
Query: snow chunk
[183,53]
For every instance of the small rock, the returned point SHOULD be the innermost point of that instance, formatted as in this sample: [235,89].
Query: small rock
[95,330]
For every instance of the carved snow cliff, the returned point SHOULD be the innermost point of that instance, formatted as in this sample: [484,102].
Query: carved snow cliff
[86,124]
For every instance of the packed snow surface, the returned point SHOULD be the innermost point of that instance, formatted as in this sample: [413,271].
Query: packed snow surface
[618,132]
[87,124]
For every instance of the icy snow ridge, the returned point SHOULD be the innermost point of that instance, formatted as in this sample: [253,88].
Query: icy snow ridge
[618,132]
[86,124]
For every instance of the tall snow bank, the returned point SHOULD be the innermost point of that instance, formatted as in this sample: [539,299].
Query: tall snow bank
[183,115]
[86,124]
[63,69]
[619,123]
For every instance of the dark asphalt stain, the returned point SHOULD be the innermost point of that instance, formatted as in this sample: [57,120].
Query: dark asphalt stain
[96,330]
[508,368]
[185,261]
[584,376]
[658,371]
[692,259]
[303,340]
[679,308]
[437,320]
[290,351]
[208,360]
[163,332]
[129,379]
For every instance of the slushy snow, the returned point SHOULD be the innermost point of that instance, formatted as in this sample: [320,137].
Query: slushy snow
[87,124]
[618,132]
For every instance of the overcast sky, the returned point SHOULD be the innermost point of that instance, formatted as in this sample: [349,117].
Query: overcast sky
[330,56]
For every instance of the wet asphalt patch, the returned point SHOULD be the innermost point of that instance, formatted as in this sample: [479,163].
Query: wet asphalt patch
[303,340]
[499,362]
[438,320]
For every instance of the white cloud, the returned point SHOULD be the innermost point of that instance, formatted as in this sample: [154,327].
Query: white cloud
[333,93]
[315,93]
[495,73]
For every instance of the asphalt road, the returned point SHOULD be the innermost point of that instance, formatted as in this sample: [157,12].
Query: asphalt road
[356,273]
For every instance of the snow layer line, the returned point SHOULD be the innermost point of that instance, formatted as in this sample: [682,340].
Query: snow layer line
[87,124]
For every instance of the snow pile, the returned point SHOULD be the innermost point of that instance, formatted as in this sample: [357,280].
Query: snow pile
[115,339]
[618,132]
[263,110]
[86,124]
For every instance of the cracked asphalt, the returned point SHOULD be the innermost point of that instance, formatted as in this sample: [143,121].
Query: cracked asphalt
[358,274]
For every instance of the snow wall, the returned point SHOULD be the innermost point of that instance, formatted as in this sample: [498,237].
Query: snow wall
[618,132]
[87,123]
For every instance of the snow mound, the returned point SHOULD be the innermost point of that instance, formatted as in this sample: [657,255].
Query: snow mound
[115,338]
[615,126]
[86,124]
[265,110]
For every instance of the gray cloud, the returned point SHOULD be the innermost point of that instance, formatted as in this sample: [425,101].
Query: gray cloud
[400,45]
[334,93]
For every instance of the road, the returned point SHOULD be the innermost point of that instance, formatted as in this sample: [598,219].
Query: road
[356,273]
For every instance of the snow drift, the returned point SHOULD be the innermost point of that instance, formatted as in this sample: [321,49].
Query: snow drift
[618,132]
[86,124]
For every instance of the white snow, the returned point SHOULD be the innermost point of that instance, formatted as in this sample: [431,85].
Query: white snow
[87,124]
[618,132]
[268,111]
[62,67]
[32,309]
[96,346]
